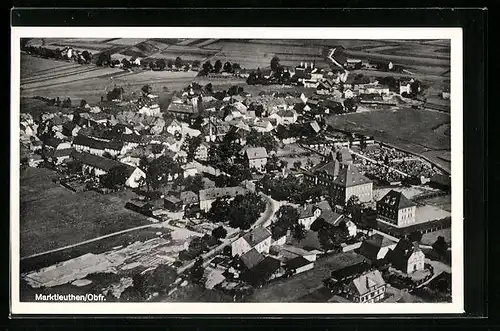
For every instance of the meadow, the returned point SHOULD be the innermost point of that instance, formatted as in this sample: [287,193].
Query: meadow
[52,216]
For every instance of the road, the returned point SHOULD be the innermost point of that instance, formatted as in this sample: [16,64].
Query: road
[264,220]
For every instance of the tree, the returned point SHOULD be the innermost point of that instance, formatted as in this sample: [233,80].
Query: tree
[83,103]
[207,67]
[244,210]
[152,65]
[147,89]
[196,64]
[103,59]
[351,105]
[440,245]
[161,64]
[352,204]
[161,169]
[236,66]
[126,64]
[116,176]
[197,271]
[286,218]
[170,64]
[219,232]
[415,236]
[87,56]
[66,103]
[258,139]
[209,88]
[219,210]
[191,145]
[275,64]
[299,231]
[297,165]
[178,62]
[217,66]
[227,67]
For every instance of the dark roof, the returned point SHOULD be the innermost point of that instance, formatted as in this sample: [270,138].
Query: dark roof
[372,245]
[100,162]
[401,253]
[262,271]
[82,140]
[69,126]
[297,262]
[251,258]
[351,270]
[395,199]
[62,152]
[257,236]
[331,168]
[444,180]
[172,199]
[189,197]
[349,176]
[53,142]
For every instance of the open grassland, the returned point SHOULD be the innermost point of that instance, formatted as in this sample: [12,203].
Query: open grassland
[52,216]
[408,128]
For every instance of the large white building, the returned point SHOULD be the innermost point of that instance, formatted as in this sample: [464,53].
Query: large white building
[259,238]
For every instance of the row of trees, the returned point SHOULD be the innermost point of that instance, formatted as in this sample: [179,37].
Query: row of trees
[84,57]
[240,212]
[291,189]
[219,67]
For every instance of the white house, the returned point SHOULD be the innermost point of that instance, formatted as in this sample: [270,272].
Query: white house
[259,238]
[407,257]
[208,196]
[308,214]
[174,127]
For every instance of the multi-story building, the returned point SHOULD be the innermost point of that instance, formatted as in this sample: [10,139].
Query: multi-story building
[257,157]
[350,182]
[396,209]
[369,287]
[259,239]
[407,256]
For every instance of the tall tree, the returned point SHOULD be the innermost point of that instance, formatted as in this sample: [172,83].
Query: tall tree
[116,176]
[217,66]
[227,67]
[207,67]
[178,62]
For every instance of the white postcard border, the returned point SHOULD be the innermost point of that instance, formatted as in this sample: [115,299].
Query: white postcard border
[457,304]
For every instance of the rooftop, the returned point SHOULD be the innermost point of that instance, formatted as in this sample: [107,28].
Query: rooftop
[257,236]
[256,153]
[251,258]
[368,281]
[349,176]
[395,199]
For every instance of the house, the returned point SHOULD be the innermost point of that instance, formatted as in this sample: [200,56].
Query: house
[324,174]
[407,256]
[298,265]
[202,152]
[331,218]
[263,126]
[262,272]
[173,127]
[100,165]
[369,287]
[208,196]
[396,209]
[259,238]
[213,278]
[308,214]
[348,94]
[58,156]
[351,182]
[405,87]
[184,111]
[251,258]
[190,169]
[188,198]
[257,157]
[35,160]
[70,129]
[172,203]
[287,116]
[376,247]
[54,143]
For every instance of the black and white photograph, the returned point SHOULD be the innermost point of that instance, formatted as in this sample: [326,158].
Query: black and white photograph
[207,167]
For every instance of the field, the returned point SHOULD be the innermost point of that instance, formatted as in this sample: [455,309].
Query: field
[297,287]
[52,216]
[411,129]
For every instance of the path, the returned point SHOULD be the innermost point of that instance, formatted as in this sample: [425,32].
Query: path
[89,241]
[263,220]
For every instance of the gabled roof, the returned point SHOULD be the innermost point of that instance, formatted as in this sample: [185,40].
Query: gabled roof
[100,162]
[306,211]
[181,108]
[297,262]
[61,152]
[372,245]
[395,199]
[349,176]
[262,271]
[257,236]
[401,253]
[251,258]
[172,199]
[367,282]
[189,197]
[256,153]
[53,142]
[331,168]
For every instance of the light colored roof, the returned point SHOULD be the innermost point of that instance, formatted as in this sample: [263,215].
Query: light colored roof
[257,236]
[256,153]
[366,282]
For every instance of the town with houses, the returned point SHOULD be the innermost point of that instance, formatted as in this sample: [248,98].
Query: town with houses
[249,192]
